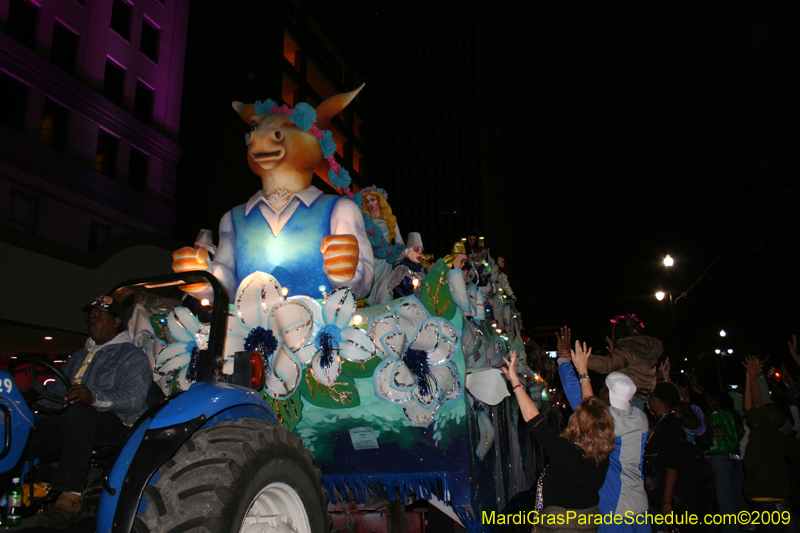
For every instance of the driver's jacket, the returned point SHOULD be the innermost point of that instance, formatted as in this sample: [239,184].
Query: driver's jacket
[119,377]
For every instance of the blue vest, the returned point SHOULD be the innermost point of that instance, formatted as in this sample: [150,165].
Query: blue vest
[294,256]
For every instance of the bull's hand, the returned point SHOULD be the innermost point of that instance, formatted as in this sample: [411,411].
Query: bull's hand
[187,259]
[340,254]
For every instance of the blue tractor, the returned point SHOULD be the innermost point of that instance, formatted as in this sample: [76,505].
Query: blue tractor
[213,458]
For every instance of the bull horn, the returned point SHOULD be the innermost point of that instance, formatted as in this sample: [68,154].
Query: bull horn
[246,111]
[334,105]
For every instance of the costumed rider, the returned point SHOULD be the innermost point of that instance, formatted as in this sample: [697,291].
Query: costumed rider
[110,379]
[384,236]
[408,272]
[310,241]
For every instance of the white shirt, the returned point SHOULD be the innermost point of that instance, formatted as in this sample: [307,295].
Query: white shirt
[346,219]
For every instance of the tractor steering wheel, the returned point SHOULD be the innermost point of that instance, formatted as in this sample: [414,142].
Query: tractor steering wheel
[37,390]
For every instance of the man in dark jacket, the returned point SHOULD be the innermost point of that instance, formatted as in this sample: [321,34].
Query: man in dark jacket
[110,379]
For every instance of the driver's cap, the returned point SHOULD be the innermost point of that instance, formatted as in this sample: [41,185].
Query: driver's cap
[106,304]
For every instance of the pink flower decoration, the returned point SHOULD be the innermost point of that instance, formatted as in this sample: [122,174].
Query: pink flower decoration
[372,232]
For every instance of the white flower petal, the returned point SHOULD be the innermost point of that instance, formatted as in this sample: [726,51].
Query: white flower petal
[291,322]
[356,345]
[426,337]
[432,396]
[418,415]
[340,307]
[489,386]
[410,314]
[256,295]
[311,303]
[394,344]
[181,381]
[448,381]
[306,352]
[379,326]
[284,374]
[326,376]
[170,365]
[168,358]
[382,383]
[183,325]
[402,378]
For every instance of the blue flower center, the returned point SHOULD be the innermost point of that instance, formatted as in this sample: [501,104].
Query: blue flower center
[417,363]
[327,341]
[262,341]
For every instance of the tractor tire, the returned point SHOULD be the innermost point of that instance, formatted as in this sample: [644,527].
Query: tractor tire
[247,476]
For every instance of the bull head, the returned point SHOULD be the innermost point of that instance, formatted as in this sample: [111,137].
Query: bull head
[280,153]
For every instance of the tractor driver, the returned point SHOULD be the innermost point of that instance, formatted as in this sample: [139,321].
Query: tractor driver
[110,378]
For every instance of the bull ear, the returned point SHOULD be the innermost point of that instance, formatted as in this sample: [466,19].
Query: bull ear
[246,111]
[334,105]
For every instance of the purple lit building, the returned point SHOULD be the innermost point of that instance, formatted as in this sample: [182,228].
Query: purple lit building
[88,145]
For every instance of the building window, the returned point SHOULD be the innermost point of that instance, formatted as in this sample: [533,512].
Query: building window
[15,100]
[290,93]
[291,51]
[121,18]
[23,211]
[21,23]
[55,120]
[358,162]
[319,81]
[137,176]
[99,234]
[105,161]
[143,105]
[64,49]
[150,38]
[114,82]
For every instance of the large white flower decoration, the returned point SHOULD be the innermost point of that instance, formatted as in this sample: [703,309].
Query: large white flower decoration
[418,371]
[267,322]
[332,340]
[176,363]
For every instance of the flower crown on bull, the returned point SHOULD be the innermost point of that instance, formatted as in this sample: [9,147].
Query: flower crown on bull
[305,117]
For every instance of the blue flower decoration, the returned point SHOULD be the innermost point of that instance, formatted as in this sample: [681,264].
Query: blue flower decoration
[263,107]
[327,143]
[341,180]
[262,341]
[304,116]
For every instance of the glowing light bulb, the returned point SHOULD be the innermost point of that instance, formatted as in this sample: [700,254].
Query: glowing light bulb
[669,261]
[48,338]
[415,283]
[717,352]
[730,352]
[284,291]
[322,288]
[357,319]
[723,333]
[660,295]
[204,302]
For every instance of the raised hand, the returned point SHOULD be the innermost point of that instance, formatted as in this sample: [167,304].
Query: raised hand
[564,338]
[753,364]
[340,257]
[610,343]
[580,357]
[510,370]
[664,370]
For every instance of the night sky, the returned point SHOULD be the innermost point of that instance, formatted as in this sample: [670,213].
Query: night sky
[631,131]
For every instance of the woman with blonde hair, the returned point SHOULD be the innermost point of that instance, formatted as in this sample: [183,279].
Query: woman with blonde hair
[386,250]
[578,458]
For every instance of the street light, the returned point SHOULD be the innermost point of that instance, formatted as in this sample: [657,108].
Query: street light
[668,261]
[660,295]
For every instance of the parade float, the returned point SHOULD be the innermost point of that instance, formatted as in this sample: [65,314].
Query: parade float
[399,400]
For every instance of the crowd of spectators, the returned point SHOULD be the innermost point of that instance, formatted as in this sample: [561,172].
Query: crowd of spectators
[680,446]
